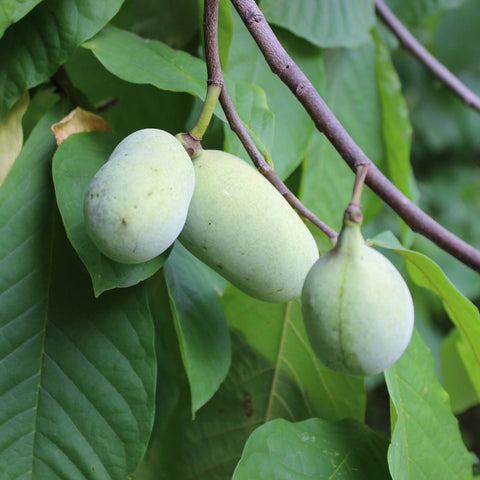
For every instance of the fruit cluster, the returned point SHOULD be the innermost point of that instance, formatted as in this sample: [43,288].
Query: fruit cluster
[150,192]
[357,309]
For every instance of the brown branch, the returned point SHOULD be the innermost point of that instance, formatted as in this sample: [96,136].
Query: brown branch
[281,64]
[411,44]
[215,77]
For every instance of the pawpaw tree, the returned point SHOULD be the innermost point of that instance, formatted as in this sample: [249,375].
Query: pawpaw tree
[189,364]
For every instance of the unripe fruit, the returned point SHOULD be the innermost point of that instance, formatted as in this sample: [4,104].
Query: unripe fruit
[243,228]
[137,203]
[357,309]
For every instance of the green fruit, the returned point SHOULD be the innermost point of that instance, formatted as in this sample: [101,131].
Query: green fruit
[137,203]
[243,228]
[357,309]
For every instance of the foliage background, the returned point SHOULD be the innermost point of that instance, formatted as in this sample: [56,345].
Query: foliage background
[108,371]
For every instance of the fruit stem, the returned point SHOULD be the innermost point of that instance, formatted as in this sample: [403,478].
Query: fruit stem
[353,213]
[199,129]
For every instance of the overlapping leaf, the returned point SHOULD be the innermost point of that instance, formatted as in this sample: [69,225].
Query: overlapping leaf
[426,442]
[276,332]
[327,181]
[75,163]
[293,127]
[464,314]
[12,11]
[33,48]
[77,373]
[200,323]
[314,448]
[343,23]
[152,62]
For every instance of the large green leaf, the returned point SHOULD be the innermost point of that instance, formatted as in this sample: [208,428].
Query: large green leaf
[33,49]
[144,61]
[276,332]
[78,373]
[200,323]
[314,448]
[75,163]
[12,11]
[426,441]
[342,23]
[464,314]
[293,127]
[327,182]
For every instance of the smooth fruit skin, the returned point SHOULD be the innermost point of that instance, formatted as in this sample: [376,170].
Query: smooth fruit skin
[137,203]
[357,309]
[244,229]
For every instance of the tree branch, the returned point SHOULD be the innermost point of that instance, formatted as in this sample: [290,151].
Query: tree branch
[281,64]
[215,77]
[411,44]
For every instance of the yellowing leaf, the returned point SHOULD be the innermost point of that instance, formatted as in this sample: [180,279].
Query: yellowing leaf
[77,121]
[11,135]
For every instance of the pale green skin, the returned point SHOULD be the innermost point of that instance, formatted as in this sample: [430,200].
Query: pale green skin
[357,309]
[244,229]
[137,203]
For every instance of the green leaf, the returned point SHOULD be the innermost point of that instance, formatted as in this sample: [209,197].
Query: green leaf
[174,23]
[414,12]
[78,373]
[396,128]
[455,378]
[200,323]
[11,135]
[12,11]
[464,314]
[426,441]
[301,383]
[75,163]
[342,23]
[327,181]
[314,448]
[125,116]
[138,60]
[293,127]
[37,45]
